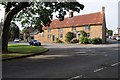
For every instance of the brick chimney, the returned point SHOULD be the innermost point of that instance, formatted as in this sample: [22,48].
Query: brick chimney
[103,9]
[70,14]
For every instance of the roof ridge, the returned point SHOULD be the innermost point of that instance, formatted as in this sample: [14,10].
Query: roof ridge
[80,15]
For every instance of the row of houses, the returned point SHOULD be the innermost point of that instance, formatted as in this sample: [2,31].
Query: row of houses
[93,24]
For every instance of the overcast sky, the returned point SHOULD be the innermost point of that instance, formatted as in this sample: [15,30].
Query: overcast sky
[111,10]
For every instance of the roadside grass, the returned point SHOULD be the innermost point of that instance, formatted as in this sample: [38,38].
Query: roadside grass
[17,50]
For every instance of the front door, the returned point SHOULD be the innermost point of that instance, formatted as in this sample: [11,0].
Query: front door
[53,38]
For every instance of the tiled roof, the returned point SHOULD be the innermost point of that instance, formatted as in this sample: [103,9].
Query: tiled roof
[87,19]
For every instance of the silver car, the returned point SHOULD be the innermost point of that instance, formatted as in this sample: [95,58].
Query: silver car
[118,38]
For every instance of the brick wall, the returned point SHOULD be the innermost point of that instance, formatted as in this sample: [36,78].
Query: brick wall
[95,31]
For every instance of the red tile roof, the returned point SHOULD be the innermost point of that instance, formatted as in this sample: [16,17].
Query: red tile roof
[87,19]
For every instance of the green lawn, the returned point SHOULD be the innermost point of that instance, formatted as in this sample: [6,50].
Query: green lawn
[16,50]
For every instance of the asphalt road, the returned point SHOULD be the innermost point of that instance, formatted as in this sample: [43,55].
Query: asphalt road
[69,61]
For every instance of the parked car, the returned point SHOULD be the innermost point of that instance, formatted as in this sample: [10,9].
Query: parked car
[114,37]
[118,38]
[16,40]
[35,43]
[110,37]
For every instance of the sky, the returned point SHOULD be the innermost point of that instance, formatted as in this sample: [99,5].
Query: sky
[111,10]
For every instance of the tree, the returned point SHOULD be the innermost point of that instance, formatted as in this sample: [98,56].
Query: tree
[9,14]
[25,11]
[13,32]
[110,32]
[68,36]
[27,32]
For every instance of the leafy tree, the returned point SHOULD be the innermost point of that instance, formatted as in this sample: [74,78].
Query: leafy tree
[26,11]
[68,36]
[26,33]
[110,32]
[13,31]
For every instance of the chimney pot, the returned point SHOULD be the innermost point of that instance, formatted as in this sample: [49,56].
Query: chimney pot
[103,9]
[70,14]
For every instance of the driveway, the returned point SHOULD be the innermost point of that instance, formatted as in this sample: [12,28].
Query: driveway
[67,61]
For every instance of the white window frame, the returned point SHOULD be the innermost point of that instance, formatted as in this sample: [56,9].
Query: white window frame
[88,35]
[49,30]
[87,27]
[49,36]
[73,28]
[61,36]
[60,29]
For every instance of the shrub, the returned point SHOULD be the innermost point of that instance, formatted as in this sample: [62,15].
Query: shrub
[90,41]
[68,36]
[96,41]
[74,40]
[83,33]
[58,41]
[84,40]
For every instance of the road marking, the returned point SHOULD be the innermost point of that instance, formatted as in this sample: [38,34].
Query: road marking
[99,69]
[106,55]
[80,52]
[115,64]
[75,77]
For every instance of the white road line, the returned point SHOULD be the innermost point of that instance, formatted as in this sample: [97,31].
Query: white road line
[106,55]
[99,69]
[75,77]
[115,64]
[80,52]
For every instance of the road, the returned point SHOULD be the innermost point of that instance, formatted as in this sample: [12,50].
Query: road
[70,61]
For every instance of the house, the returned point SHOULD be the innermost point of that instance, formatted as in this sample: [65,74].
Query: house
[93,24]
[116,32]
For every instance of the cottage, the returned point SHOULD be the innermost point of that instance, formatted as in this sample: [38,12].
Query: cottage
[93,24]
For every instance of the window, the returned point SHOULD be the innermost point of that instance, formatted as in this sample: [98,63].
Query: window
[49,30]
[61,36]
[49,36]
[73,29]
[87,28]
[60,29]
[88,35]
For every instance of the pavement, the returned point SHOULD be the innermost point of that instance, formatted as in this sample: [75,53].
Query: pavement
[70,61]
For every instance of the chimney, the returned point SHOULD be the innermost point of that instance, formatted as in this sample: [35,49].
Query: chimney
[103,9]
[70,14]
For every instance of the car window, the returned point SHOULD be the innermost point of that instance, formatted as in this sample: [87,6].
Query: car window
[35,40]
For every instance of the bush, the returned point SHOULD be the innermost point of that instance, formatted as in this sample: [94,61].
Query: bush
[74,40]
[84,40]
[58,41]
[96,41]
[68,36]
[83,33]
[90,41]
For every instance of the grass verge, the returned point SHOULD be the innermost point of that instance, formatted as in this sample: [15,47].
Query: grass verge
[17,50]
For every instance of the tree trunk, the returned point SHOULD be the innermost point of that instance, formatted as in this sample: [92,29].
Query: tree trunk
[5,35]
[9,14]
